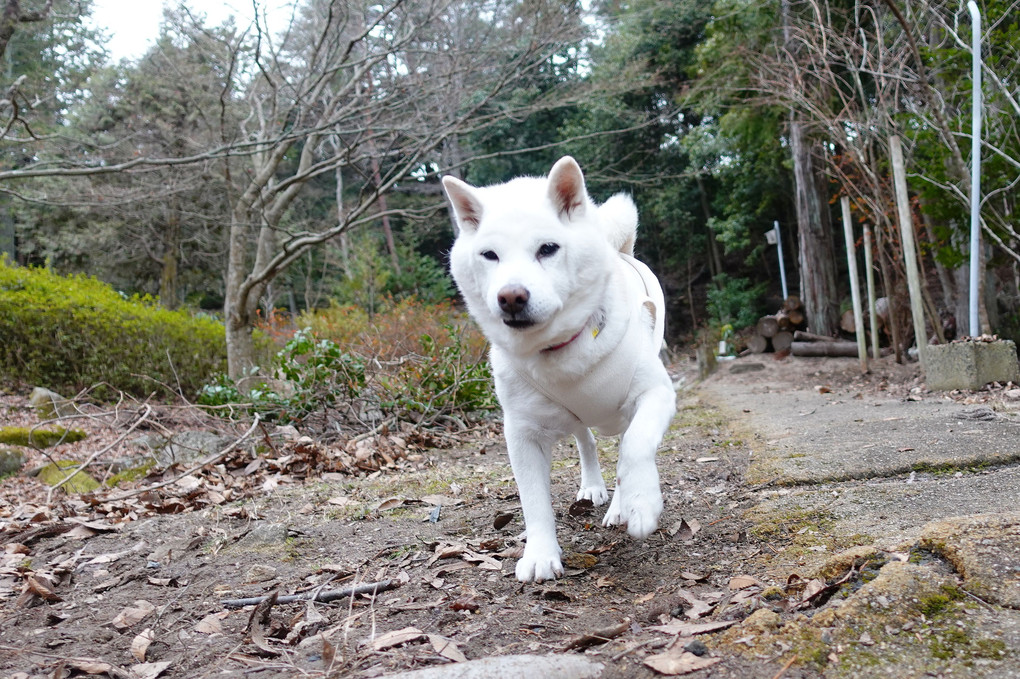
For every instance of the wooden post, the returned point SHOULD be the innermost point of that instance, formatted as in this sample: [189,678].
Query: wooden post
[909,248]
[855,288]
[869,275]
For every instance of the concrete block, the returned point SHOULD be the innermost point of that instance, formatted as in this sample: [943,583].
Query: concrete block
[970,365]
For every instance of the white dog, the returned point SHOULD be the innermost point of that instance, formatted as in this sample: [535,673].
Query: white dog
[576,324]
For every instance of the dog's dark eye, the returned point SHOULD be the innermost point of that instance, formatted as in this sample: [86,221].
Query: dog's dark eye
[548,250]
[491,256]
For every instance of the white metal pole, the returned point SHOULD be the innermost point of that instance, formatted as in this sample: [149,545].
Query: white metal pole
[909,248]
[869,266]
[855,288]
[975,168]
[782,264]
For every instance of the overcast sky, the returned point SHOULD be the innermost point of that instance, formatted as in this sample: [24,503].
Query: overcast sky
[132,25]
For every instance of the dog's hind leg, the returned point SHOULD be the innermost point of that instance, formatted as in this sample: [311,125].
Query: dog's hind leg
[531,460]
[637,501]
[593,486]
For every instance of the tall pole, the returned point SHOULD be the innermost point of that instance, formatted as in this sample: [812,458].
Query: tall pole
[909,248]
[975,168]
[855,288]
[782,262]
[869,275]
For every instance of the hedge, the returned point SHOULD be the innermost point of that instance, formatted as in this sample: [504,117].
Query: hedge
[68,333]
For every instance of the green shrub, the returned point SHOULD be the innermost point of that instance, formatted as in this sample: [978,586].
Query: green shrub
[317,374]
[443,379]
[735,301]
[411,360]
[70,333]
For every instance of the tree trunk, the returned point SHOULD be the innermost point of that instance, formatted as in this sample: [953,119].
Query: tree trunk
[240,301]
[817,255]
[168,278]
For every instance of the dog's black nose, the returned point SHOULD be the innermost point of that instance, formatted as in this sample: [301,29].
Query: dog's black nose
[513,299]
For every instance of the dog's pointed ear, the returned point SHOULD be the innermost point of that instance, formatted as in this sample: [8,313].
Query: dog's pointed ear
[566,188]
[467,209]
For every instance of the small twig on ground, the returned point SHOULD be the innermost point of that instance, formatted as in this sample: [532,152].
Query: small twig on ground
[388,422]
[210,460]
[144,416]
[634,647]
[597,637]
[788,665]
[331,595]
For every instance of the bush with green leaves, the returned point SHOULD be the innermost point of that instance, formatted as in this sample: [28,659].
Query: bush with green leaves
[444,379]
[316,375]
[69,333]
[735,301]
[415,362]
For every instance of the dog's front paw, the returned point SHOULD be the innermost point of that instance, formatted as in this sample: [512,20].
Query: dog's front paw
[597,494]
[639,512]
[642,516]
[539,564]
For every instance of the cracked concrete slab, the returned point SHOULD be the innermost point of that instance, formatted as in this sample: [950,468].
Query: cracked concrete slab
[812,436]
[985,550]
[848,467]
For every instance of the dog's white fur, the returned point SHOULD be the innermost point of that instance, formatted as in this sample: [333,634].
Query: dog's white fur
[576,325]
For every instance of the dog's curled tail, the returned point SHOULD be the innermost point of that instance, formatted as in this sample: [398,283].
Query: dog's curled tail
[619,220]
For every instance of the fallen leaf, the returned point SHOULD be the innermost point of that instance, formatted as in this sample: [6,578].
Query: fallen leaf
[96,666]
[80,533]
[644,598]
[149,670]
[742,582]
[483,561]
[686,530]
[341,501]
[140,644]
[446,550]
[396,638]
[673,664]
[581,507]
[133,614]
[502,519]
[211,624]
[40,590]
[446,648]
[389,503]
[697,577]
[689,629]
[188,483]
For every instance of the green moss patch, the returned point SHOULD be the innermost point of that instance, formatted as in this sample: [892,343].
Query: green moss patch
[39,437]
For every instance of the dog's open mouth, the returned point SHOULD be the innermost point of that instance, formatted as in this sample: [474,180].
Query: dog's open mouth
[518,324]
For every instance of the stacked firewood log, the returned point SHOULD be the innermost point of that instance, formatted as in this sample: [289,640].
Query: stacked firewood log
[785,332]
[776,332]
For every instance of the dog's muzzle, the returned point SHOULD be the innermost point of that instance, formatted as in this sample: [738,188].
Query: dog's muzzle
[513,302]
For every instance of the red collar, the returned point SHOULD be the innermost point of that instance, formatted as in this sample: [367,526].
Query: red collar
[563,344]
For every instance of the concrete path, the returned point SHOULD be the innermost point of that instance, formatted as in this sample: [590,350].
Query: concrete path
[917,491]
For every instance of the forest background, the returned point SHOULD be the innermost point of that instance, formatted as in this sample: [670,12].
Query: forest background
[286,173]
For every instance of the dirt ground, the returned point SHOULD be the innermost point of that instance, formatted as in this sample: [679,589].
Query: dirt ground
[117,586]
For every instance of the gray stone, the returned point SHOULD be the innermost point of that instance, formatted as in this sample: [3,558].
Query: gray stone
[184,447]
[262,538]
[49,404]
[10,461]
[970,364]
